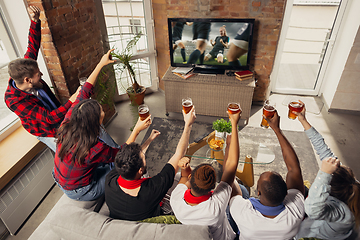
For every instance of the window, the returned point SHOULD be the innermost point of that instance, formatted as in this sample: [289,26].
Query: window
[124,19]
[135,26]
[7,53]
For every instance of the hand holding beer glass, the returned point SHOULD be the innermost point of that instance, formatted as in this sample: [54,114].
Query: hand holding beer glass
[268,111]
[233,108]
[143,111]
[295,106]
[187,104]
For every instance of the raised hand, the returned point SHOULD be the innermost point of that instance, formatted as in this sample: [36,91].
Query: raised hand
[300,115]
[329,165]
[234,118]
[141,125]
[184,163]
[34,13]
[274,122]
[154,134]
[106,59]
[190,117]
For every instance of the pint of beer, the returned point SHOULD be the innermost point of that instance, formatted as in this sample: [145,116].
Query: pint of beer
[233,108]
[268,111]
[187,104]
[294,106]
[143,111]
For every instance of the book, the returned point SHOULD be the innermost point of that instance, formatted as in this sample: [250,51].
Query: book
[184,76]
[182,70]
[244,78]
[243,74]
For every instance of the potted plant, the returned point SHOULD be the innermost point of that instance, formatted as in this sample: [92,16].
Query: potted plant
[221,127]
[135,92]
[105,90]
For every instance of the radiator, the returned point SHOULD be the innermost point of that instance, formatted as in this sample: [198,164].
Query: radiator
[25,192]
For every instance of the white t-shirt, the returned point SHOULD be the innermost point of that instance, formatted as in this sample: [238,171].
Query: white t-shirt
[209,213]
[253,225]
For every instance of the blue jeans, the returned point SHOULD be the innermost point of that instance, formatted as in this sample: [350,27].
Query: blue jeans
[92,191]
[49,141]
[246,195]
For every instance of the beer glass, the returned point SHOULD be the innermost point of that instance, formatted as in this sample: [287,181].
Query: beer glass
[143,111]
[294,106]
[268,111]
[187,104]
[233,108]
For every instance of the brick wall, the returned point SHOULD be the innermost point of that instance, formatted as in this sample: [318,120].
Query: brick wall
[268,15]
[71,41]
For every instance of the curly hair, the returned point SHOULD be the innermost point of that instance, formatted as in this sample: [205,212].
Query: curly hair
[203,179]
[81,131]
[128,161]
[20,68]
[274,189]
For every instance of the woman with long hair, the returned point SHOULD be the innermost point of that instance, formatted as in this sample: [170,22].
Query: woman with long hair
[82,157]
[333,203]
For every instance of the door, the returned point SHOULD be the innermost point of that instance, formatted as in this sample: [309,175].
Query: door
[307,38]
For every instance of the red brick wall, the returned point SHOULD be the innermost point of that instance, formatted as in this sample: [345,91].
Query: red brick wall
[268,15]
[71,41]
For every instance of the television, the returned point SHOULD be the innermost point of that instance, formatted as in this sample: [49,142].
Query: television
[211,45]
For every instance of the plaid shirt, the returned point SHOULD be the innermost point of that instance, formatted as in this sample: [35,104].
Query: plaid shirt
[34,116]
[72,175]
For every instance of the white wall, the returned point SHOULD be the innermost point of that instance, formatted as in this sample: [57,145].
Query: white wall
[345,39]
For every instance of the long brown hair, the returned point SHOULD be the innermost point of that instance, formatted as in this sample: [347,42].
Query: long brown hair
[346,188]
[81,131]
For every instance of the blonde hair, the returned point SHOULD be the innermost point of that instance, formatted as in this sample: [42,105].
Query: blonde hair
[224,27]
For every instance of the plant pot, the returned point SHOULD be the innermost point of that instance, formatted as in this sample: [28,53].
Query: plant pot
[137,98]
[220,135]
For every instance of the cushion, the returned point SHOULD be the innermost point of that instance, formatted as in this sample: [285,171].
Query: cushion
[166,219]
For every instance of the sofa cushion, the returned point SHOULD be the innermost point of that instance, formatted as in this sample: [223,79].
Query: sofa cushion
[73,220]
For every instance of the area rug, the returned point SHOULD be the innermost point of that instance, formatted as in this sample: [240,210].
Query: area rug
[164,146]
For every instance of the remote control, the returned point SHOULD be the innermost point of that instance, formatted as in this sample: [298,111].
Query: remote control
[201,137]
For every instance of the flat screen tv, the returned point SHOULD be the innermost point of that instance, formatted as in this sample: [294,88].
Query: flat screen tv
[210,45]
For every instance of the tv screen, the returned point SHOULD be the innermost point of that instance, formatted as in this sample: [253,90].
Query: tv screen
[210,45]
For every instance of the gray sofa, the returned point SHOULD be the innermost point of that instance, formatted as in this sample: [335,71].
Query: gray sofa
[74,220]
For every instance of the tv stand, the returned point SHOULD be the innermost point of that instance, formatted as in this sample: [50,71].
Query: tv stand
[210,95]
[208,70]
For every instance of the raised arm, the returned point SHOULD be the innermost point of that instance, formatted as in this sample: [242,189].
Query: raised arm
[105,60]
[146,144]
[320,191]
[34,37]
[140,125]
[315,138]
[294,178]
[232,157]
[189,119]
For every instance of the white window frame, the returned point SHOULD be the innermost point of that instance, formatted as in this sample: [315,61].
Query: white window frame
[151,53]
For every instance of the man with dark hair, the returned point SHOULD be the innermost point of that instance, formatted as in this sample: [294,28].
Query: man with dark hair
[28,96]
[131,197]
[192,200]
[279,210]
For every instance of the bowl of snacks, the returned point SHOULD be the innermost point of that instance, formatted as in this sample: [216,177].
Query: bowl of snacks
[216,143]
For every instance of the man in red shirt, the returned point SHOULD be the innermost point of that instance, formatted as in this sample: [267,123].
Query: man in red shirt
[28,96]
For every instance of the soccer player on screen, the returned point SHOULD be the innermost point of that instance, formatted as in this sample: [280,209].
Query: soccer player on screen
[239,46]
[201,35]
[176,37]
[219,44]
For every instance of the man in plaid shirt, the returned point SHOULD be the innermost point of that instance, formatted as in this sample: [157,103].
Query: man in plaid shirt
[28,96]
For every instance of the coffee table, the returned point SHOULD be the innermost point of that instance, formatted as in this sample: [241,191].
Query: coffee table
[247,174]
